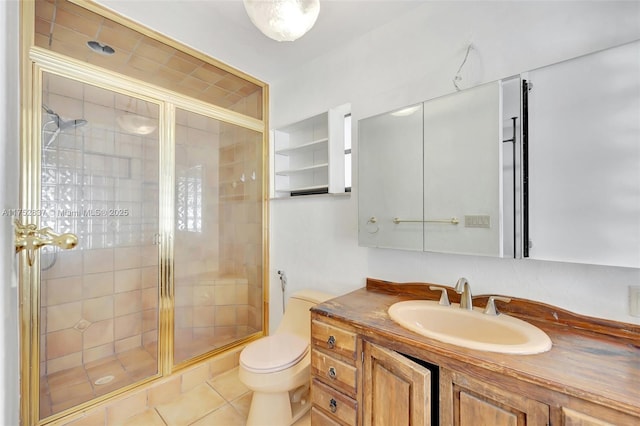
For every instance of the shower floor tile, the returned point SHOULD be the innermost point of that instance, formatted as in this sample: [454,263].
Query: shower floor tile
[67,388]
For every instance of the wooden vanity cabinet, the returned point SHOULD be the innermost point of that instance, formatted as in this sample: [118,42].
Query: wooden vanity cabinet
[577,412]
[395,390]
[466,401]
[356,382]
[361,377]
[335,385]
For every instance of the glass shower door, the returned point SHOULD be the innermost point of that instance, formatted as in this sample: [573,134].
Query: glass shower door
[218,234]
[99,301]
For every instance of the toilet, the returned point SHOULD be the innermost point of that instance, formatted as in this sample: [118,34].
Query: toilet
[277,368]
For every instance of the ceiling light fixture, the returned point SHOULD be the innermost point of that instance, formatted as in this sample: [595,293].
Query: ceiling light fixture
[283,20]
[405,111]
[136,123]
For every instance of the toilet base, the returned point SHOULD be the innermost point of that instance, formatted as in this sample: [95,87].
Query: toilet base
[276,409]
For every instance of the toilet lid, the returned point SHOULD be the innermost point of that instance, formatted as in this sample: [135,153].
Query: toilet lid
[273,353]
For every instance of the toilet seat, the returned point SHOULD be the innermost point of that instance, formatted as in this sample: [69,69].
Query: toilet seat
[273,353]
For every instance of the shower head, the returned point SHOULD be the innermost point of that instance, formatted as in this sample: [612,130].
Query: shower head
[63,125]
[48,110]
[60,124]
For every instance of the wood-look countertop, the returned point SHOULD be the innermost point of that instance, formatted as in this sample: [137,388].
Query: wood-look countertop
[596,360]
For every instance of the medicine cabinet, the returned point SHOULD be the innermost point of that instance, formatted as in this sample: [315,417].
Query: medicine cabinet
[431,175]
[544,165]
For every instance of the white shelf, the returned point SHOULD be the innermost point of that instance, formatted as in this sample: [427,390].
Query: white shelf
[308,156]
[310,146]
[302,188]
[290,172]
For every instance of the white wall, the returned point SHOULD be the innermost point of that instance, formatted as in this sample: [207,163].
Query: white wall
[314,240]
[9,131]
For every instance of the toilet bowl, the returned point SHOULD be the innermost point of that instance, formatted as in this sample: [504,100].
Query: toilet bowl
[277,368]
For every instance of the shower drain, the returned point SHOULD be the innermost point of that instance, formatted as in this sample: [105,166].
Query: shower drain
[104,380]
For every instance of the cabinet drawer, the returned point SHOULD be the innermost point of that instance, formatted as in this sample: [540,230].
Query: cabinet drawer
[334,372]
[318,418]
[333,339]
[333,404]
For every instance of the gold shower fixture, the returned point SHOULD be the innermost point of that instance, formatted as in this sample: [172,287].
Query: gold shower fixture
[30,238]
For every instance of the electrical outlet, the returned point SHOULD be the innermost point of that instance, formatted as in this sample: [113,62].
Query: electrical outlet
[477,221]
[634,300]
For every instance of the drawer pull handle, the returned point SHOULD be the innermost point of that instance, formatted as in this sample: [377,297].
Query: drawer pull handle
[331,342]
[332,373]
[333,405]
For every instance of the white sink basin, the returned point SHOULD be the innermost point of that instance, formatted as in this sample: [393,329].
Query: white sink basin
[470,329]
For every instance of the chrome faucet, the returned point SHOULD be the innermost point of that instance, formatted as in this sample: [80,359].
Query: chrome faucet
[463,289]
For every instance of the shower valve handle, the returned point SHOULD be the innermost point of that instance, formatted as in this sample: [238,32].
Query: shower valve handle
[30,238]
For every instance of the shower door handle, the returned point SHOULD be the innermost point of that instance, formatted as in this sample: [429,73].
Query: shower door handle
[30,238]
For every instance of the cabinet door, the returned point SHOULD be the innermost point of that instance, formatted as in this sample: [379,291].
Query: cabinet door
[575,418]
[466,401]
[584,159]
[463,172]
[585,413]
[396,391]
[390,180]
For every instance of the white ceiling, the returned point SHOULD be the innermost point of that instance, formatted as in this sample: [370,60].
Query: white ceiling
[222,29]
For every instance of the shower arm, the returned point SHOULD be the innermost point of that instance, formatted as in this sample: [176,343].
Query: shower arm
[30,238]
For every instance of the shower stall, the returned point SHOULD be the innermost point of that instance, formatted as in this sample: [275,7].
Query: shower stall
[100,180]
[98,302]
[164,188]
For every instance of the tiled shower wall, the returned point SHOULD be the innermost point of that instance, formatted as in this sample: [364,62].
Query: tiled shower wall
[241,183]
[96,303]
[214,309]
[102,297]
[212,295]
[100,183]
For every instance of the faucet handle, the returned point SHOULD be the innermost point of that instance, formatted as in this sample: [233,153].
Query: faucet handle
[490,309]
[444,298]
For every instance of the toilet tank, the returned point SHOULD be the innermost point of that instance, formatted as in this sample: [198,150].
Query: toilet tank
[297,318]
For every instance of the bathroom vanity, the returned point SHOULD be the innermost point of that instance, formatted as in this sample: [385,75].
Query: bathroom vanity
[367,369]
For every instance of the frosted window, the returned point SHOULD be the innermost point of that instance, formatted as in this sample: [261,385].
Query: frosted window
[189,199]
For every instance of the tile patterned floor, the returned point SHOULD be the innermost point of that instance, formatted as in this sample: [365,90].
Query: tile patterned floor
[64,389]
[67,388]
[222,401]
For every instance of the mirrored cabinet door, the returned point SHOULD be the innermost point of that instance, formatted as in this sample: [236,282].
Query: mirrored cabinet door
[390,180]
[462,172]
[584,159]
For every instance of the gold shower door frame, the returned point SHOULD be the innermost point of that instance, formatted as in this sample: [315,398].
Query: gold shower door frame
[38,62]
